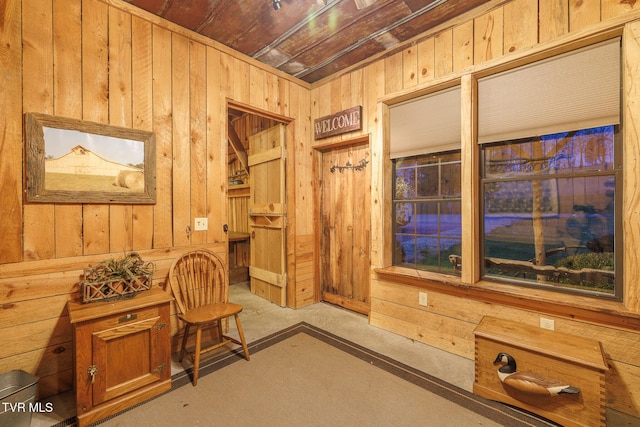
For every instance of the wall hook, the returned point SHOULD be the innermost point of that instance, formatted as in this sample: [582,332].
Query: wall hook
[360,166]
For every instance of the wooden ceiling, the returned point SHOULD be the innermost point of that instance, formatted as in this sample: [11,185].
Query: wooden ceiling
[309,39]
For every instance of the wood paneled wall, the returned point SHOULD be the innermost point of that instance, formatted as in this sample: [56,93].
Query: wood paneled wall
[489,37]
[107,62]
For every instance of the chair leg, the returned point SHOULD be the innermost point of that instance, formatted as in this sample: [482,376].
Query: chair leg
[196,357]
[241,333]
[183,348]
[220,333]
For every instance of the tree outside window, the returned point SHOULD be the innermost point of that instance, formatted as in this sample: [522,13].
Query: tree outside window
[549,211]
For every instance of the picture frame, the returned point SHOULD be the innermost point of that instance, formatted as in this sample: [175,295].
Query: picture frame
[76,161]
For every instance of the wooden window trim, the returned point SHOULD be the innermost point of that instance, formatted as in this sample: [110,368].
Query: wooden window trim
[470,286]
[571,306]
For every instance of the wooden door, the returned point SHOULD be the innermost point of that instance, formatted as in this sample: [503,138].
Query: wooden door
[267,215]
[346,227]
[132,355]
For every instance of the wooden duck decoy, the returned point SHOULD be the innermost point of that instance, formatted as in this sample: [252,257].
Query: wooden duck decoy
[529,382]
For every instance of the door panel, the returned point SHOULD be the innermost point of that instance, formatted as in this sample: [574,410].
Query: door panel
[126,357]
[346,228]
[267,215]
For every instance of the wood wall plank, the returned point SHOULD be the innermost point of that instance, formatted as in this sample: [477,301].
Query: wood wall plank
[120,216]
[410,67]
[11,137]
[67,59]
[553,19]
[443,45]
[272,93]
[257,78]
[216,149]
[488,36]
[462,46]
[182,226]
[345,97]
[284,89]
[428,328]
[426,60]
[226,76]
[520,25]
[67,30]
[39,241]
[198,137]
[292,159]
[356,97]
[142,110]
[26,337]
[614,8]
[334,103]
[242,86]
[583,14]
[393,69]
[95,96]
[163,130]
[374,75]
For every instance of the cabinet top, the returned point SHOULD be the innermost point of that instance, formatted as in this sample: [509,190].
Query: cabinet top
[579,350]
[79,312]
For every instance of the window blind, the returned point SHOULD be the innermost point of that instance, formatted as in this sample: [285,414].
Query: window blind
[426,125]
[572,91]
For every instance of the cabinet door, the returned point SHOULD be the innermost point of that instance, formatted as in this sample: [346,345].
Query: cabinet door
[130,356]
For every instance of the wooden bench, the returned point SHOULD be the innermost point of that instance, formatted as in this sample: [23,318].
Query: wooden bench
[576,360]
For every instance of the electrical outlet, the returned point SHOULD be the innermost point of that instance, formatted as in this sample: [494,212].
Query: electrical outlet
[422,298]
[547,324]
[200,224]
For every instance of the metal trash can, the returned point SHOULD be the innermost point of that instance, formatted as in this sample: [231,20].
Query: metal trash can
[17,396]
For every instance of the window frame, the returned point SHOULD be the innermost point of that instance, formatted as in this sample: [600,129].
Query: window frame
[617,172]
[471,286]
[426,199]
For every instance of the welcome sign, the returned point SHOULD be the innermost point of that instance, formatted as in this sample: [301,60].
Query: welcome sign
[336,124]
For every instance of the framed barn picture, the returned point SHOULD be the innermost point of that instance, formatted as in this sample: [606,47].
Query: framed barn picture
[76,161]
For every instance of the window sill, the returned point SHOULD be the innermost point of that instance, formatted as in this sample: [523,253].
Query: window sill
[552,303]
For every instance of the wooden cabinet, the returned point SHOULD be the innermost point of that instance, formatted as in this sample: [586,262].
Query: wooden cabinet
[574,360]
[122,353]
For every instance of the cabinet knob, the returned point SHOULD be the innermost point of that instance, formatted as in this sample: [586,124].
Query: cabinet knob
[92,371]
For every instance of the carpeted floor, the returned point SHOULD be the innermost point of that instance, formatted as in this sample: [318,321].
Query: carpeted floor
[304,376]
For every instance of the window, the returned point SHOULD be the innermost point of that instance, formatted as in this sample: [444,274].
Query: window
[425,150]
[549,207]
[551,172]
[427,218]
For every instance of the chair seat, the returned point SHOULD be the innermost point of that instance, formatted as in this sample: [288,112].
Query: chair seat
[207,313]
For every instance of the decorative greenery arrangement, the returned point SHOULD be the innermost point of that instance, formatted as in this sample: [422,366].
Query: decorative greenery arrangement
[117,278]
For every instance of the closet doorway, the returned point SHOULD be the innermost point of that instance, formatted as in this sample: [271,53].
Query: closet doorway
[257,203]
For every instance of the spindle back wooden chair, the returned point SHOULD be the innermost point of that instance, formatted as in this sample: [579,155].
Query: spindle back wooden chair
[198,281]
